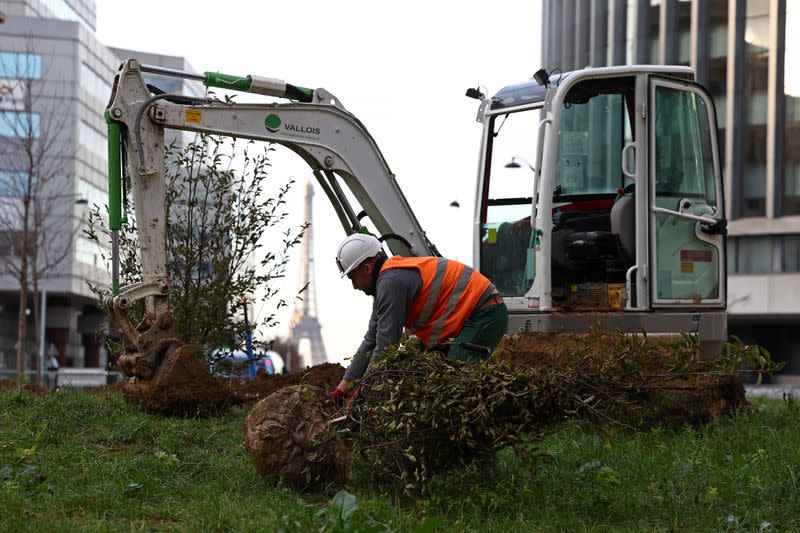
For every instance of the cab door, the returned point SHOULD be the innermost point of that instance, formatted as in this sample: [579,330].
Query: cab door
[686,219]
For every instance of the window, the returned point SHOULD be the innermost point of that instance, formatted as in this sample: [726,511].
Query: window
[165,83]
[94,83]
[754,144]
[791,253]
[14,183]
[752,255]
[93,140]
[594,129]
[718,66]
[16,65]
[92,194]
[62,10]
[732,251]
[506,244]
[684,155]
[654,20]
[88,252]
[19,125]
[684,31]
[791,92]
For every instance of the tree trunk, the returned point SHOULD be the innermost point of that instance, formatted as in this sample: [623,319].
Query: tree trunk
[21,331]
[23,286]
[37,321]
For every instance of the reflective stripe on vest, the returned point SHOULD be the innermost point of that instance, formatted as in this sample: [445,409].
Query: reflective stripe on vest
[450,291]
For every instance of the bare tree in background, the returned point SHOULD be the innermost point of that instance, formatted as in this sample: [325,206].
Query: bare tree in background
[36,202]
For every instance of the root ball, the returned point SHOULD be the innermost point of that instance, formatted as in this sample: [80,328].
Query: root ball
[288,436]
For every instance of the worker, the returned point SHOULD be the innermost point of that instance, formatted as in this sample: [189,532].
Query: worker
[448,305]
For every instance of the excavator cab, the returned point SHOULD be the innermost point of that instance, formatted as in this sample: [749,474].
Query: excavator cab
[599,203]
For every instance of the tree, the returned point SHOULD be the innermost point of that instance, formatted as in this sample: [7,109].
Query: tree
[36,205]
[222,204]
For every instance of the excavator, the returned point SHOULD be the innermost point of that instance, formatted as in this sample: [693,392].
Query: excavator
[599,199]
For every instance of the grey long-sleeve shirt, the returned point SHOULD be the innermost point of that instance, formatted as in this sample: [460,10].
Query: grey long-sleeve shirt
[395,290]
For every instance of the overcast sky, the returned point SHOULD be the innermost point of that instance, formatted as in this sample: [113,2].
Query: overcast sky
[401,67]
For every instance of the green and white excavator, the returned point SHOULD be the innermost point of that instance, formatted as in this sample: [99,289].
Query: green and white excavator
[599,198]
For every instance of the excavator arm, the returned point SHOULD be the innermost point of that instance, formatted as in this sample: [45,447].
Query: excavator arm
[332,141]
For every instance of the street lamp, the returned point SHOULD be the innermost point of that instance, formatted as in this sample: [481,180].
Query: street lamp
[81,200]
[514,163]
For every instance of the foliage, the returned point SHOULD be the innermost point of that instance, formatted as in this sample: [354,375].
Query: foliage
[106,466]
[422,413]
[221,202]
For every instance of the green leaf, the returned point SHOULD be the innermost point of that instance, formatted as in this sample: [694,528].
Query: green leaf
[25,453]
[345,503]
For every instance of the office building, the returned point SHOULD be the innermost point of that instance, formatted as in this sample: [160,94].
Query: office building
[57,78]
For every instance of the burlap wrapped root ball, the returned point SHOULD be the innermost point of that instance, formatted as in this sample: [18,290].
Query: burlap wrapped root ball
[289,436]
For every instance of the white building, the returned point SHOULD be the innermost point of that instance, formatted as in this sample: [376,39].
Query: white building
[71,74]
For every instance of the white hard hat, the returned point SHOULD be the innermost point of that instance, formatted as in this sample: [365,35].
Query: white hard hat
[354,250]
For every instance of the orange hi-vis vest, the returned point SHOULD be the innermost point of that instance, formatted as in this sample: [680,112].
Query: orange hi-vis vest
[450,291]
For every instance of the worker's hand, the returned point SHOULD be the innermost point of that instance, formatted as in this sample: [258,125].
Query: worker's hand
[338,394]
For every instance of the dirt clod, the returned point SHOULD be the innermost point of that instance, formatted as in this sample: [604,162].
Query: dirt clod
[288,436]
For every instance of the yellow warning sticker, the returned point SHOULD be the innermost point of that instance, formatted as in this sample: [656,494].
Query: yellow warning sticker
[687,267]
[491,238]
[193,115]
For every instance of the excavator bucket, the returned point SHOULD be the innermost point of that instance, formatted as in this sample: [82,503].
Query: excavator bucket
[182,386]
[163,374]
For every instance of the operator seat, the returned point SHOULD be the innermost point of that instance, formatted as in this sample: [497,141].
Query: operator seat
[623,222]
[590,241]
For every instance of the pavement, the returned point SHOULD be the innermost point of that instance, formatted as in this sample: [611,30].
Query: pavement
[773,391]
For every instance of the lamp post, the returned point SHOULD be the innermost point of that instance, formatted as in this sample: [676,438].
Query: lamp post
[514,163]
[80,200]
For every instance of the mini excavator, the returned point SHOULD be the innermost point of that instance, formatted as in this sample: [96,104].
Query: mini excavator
[599,198]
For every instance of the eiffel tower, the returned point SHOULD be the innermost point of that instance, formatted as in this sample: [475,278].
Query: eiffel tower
[304,318]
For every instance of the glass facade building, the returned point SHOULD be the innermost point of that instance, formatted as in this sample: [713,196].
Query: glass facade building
[55,82]
[740,50]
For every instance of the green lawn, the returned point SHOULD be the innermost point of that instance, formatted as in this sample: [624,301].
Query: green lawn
[80,461]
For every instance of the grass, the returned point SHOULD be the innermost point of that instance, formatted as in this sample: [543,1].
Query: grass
[87,461]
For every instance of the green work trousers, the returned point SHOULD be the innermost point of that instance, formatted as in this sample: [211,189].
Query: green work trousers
[480,335]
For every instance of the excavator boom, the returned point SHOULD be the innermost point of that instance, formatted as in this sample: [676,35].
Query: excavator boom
[333,142]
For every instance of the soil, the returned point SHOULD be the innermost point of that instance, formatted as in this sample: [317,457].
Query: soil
[540,349]
[36,390]
[186,390]
[694,401]
[198,393]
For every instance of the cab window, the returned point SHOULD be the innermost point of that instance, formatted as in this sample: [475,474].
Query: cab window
[506,214]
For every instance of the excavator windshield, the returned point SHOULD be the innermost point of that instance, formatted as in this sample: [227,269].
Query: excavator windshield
[594,130]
